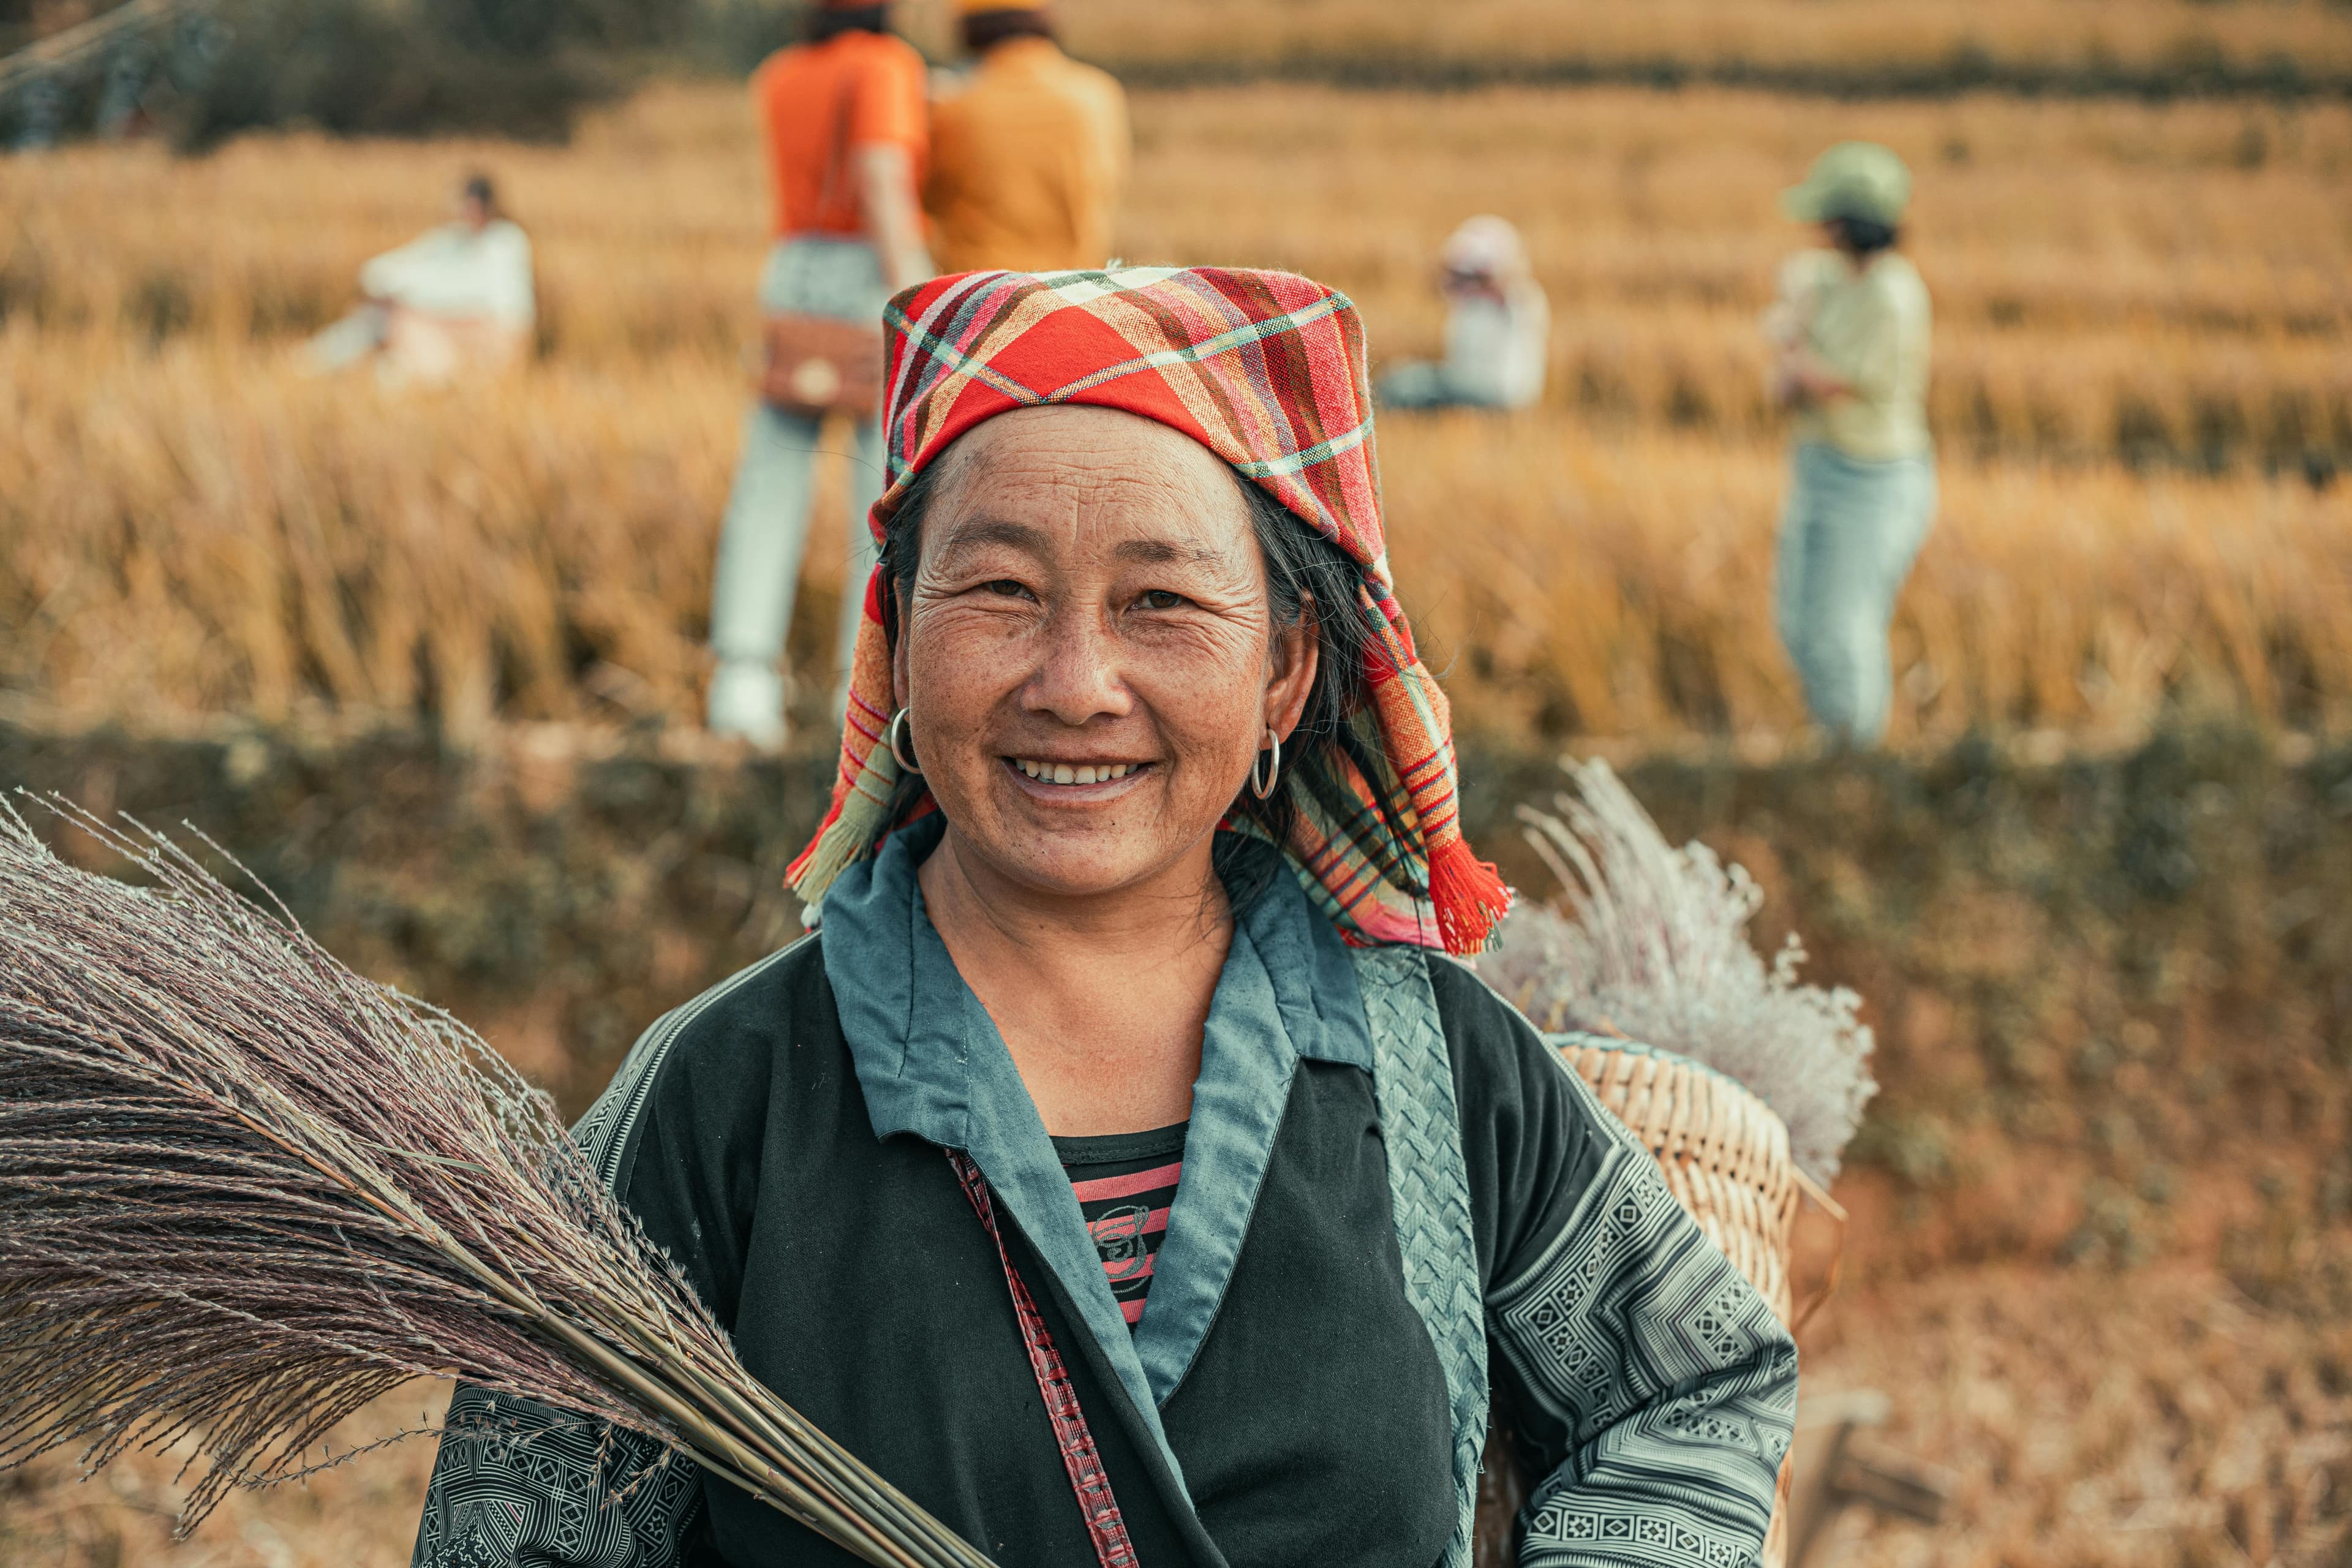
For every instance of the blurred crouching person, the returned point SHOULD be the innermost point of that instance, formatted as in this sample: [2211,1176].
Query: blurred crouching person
[1851,331]
[1029,155]
[844,127]
[1498,328]
[460,297]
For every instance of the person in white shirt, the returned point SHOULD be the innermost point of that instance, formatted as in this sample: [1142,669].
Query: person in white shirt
[1498,328]
[1850,334]
[459,297]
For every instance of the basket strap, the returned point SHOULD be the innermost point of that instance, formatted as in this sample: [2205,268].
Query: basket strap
[1429,1197]
[1105,1526]
[1820,1295]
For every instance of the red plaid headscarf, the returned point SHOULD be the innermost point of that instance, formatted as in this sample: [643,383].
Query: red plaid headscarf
[1266,370]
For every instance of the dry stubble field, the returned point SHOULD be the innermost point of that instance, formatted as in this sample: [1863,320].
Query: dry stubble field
[2143,314]
[2142,394]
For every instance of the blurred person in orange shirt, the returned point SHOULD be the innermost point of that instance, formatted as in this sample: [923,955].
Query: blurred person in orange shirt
[1028,155]
[843,123]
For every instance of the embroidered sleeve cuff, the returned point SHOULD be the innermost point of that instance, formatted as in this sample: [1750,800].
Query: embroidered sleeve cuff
[1675,1382]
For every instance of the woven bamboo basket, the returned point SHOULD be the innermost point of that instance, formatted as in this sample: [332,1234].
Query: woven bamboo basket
[1725,1158]
[1725,1154]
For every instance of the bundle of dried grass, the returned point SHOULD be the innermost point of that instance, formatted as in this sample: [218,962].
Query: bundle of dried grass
[1655,946]
[243,1191]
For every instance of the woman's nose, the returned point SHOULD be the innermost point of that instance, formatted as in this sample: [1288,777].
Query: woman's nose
[1078,677]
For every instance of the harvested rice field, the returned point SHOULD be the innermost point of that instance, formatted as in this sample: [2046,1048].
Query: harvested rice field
[2142,397]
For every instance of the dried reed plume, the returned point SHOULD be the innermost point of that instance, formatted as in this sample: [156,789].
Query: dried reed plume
[243,1191]
[1657,949]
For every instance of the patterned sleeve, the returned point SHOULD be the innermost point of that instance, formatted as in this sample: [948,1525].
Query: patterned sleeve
[520,1485]
[1652,1374]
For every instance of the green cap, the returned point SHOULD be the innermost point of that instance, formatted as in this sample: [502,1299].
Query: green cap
[1853,179]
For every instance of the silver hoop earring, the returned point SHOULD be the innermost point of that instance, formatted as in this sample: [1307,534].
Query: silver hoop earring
[1265,787]
[897,738]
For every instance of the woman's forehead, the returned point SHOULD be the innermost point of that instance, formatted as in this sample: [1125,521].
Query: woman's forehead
[1052,479]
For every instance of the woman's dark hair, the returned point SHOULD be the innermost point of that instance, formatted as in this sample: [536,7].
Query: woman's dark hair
[1303,569]
[832,21]
[479,188]
[983,30]
[1305,572]
[1866,236]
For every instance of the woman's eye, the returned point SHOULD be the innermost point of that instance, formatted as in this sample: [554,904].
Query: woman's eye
[1009,587]
[1160,599]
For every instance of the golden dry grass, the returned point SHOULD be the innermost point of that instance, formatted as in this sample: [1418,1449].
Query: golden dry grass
[196,533]
[202,529]
[2093,265]
[2078,251]
[186,526]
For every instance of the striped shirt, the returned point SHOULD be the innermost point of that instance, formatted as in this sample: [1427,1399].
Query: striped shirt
[1125,1182]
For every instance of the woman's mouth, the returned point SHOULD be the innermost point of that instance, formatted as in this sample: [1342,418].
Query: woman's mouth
[1072,775]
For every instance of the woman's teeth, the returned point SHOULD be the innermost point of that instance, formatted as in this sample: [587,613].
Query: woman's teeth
[1063,774]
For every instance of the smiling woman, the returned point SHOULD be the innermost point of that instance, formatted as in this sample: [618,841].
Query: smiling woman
[1297,573]
[1117,1168]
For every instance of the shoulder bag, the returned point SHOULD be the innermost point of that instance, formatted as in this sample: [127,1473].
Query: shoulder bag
[813,365]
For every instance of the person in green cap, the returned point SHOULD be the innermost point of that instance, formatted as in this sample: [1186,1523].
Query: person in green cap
[1850,330]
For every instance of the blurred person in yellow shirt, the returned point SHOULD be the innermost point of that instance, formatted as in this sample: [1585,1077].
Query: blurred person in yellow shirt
[1029,153]
[844,127]
[1850,331]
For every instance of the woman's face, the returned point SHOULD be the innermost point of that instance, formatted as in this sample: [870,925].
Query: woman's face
[1088,656]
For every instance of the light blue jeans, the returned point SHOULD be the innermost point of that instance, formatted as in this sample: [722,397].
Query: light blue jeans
[1849,532]
[766,529]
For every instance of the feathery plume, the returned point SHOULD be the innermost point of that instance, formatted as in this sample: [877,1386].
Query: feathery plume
[1654,945]
[243,1191]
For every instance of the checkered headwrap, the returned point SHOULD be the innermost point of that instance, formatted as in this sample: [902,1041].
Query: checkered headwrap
[1266,370]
